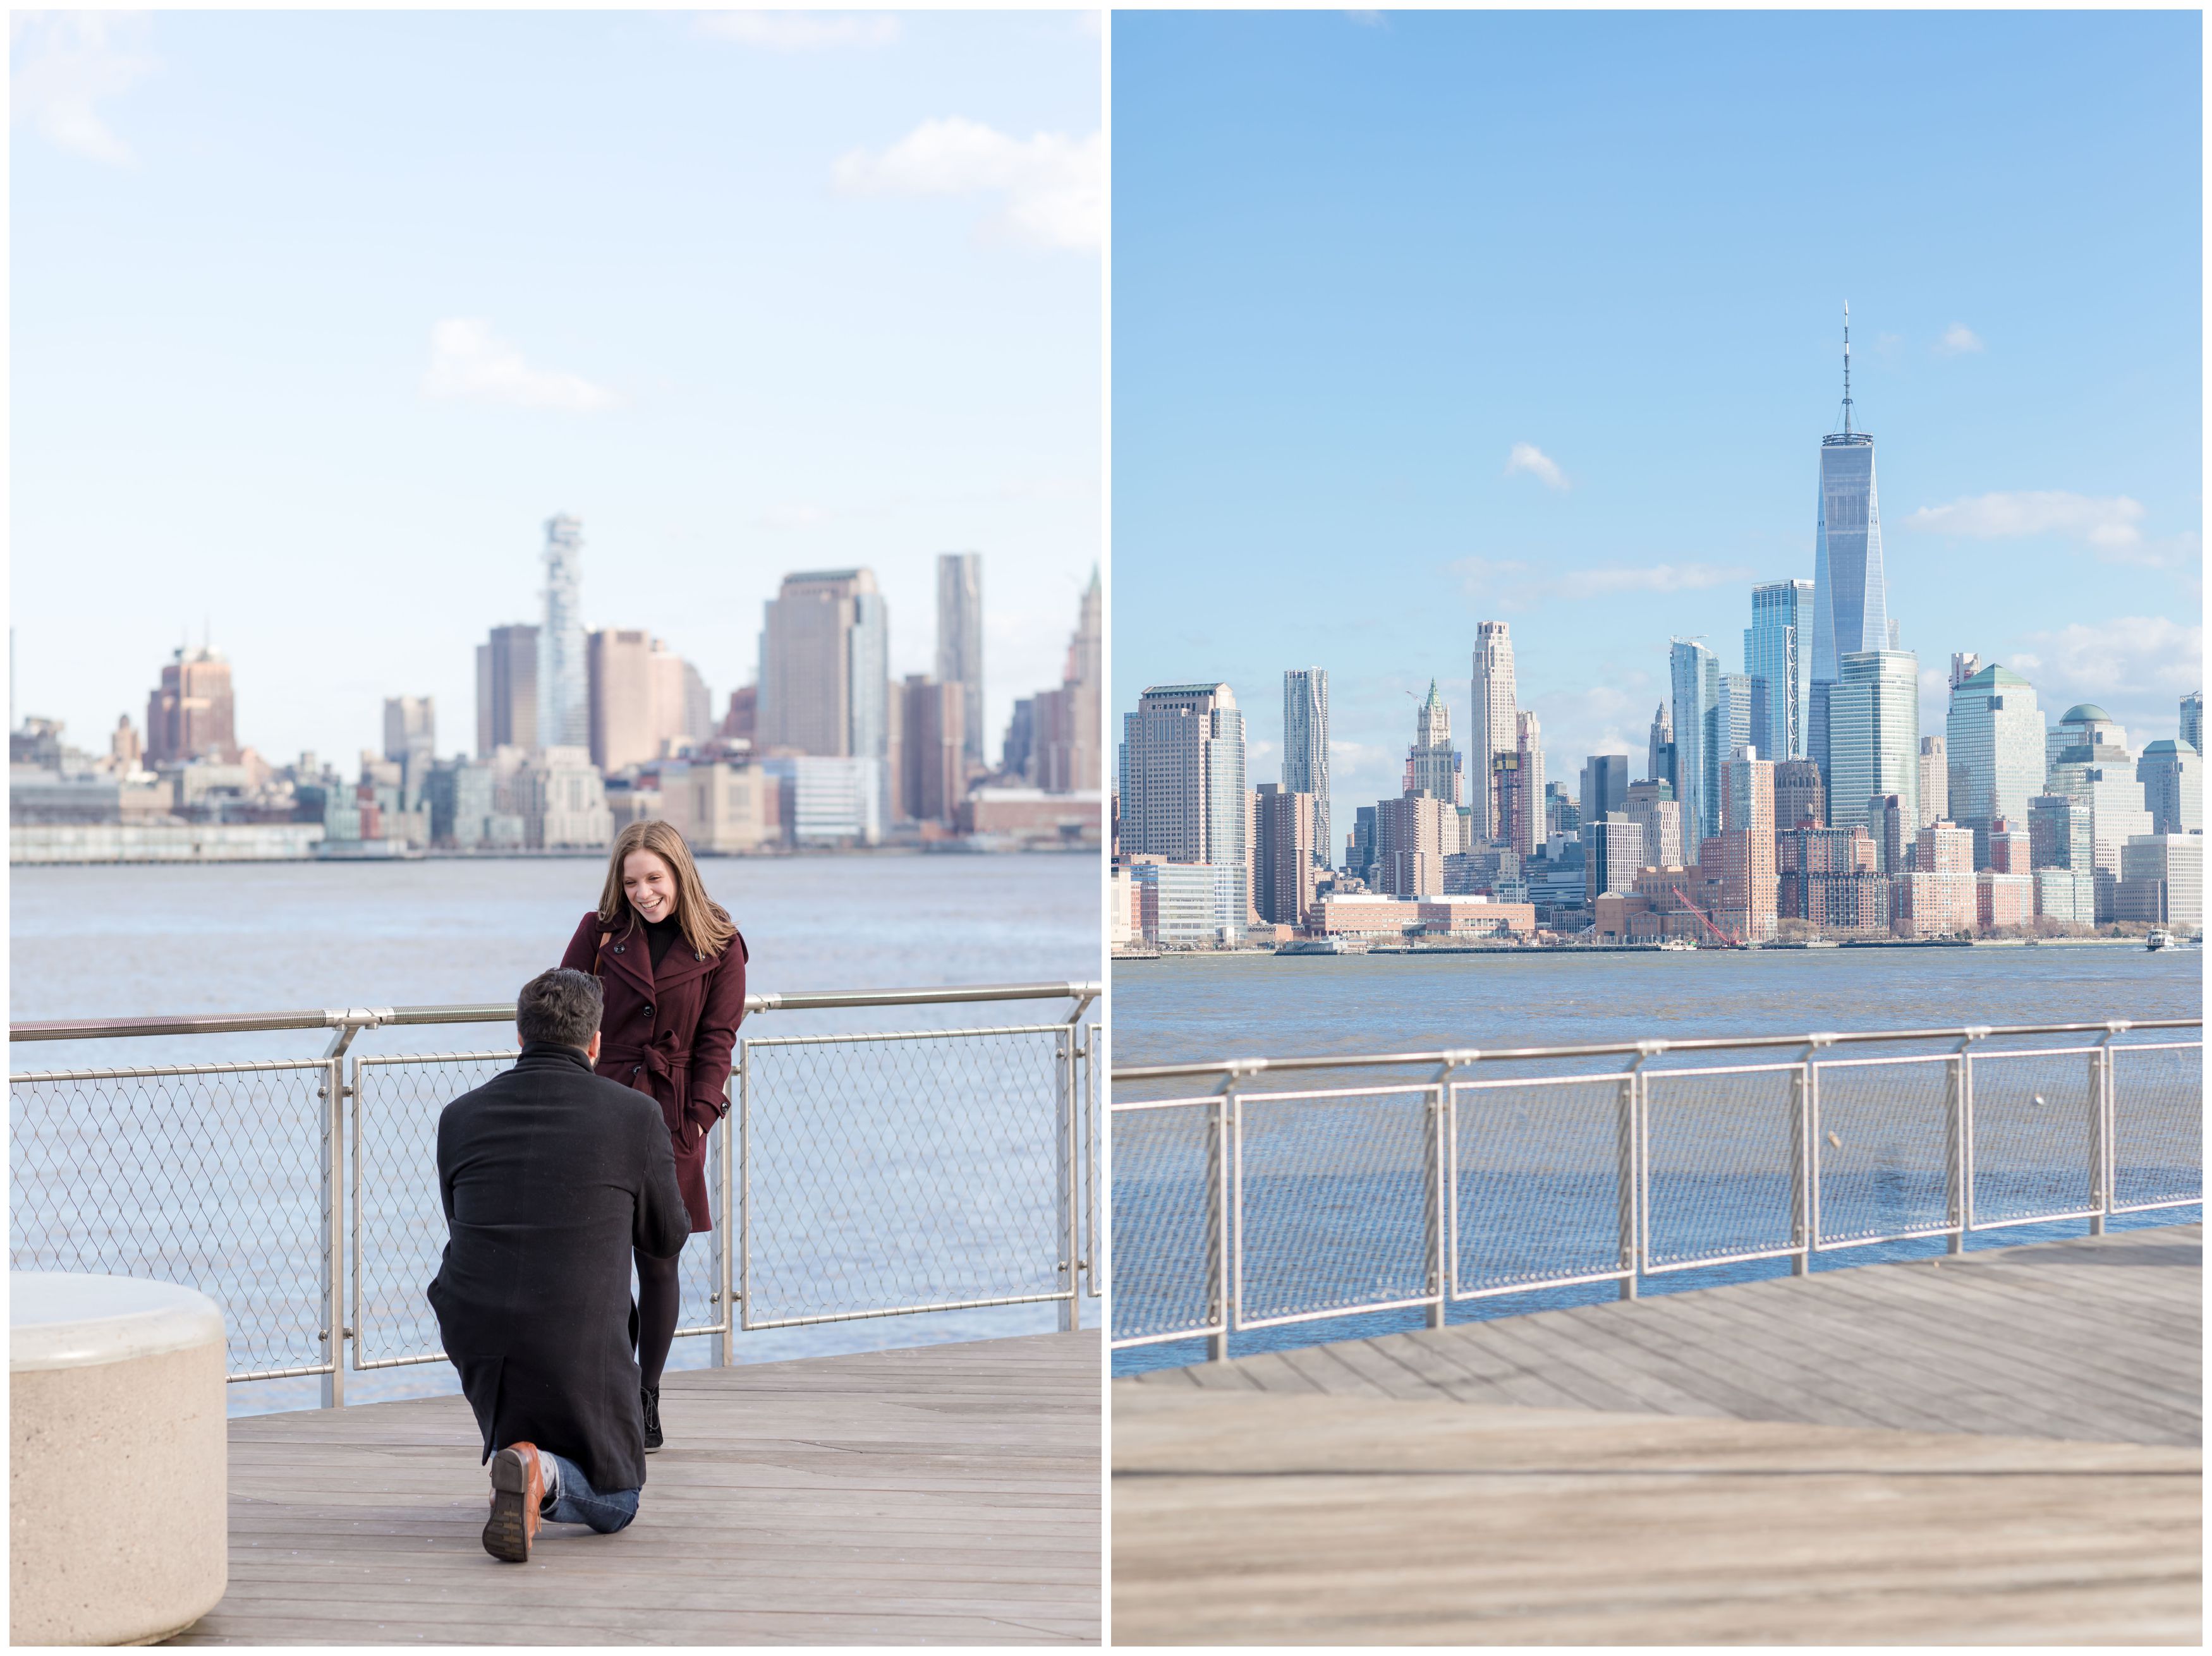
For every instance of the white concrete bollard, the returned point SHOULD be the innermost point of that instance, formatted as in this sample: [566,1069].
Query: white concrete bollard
[118,1473]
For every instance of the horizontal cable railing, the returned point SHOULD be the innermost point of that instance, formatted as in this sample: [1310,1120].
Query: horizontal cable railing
[870,1173]
[1244,1202]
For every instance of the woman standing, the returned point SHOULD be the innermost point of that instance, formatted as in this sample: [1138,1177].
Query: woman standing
[673,968]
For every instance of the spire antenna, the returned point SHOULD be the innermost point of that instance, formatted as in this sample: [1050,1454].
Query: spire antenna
[1847,367]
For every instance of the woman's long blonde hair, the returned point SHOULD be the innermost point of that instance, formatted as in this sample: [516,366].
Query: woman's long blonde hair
[705,923]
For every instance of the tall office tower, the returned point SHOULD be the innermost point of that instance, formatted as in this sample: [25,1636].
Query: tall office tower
[1799,798]
[1875,743]
[1613,850]
[1284,868]
[2192,719]
[1065,720]
[1965,664]
[620,673]
[1605,785]
[1660,765]
[1886,824]
[1528,818]
[2012,847]
[1561,814]
[190,714]
[1993,743]
[1652,806]
[1777,651]
[960,640]
[1747,795]
[410,731]
[1695,673]
[564,684]
[507,690]
[1431,767]
[932,754]
[1735,718]
[825,672]
[2173,776]
[1182,779]
[1851,601]
[1359,853]
[2059,833]
[1935,782]
[1017,750]
[1305,748]
[1489,732]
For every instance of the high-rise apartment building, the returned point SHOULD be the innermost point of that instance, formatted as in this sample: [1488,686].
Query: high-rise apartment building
[1182,779]
[1736,716]
[1993,739]
[1305,748]
[1778,652]
[1491,728]
[1612,852]
[1067,721]
[1831,878]
[1850,602]
[930,779]
[1799,795]
[1431,765]
[507,690]
[1935,782]
[1652,807]
[1283,868]
[563,683]
[1605,786]
[824,679]
[1695,676]
[960,641]
[410,733]
[1410,844]
[190,715]
[1529,744]
[1874,735]
[2192,719]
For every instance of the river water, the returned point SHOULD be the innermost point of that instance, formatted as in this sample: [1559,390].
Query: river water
[125,940]
[1195,1007]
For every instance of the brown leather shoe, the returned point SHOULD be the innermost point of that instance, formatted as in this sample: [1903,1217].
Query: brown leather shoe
[518,1491]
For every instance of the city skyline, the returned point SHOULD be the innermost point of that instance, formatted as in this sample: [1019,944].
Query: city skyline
[331,435]
[1556,345]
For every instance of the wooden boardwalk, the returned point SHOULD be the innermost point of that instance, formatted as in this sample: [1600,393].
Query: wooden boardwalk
[932,1495]
[2001,1447]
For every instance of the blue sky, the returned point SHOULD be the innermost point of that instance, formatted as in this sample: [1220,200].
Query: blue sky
[317,317]
[1362,263]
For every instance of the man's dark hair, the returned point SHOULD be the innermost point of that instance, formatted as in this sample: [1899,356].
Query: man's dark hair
[560,1005]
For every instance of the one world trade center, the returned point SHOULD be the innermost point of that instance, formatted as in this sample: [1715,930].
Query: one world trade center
[1851,606]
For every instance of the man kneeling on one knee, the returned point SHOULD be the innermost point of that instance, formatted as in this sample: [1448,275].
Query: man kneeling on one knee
[550,1175]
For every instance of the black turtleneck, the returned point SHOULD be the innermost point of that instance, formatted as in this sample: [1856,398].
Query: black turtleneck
[659,935]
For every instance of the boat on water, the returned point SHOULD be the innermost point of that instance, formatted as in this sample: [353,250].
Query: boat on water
[1822,943]
[1678,945]
[2159,940]
[1322,946]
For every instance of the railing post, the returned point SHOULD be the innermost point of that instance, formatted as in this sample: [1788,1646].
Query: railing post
[1631,1168]
[334,1228]
[1959,1111]
[1802,1174]
[744,1307]
[2104,1109]
[724,1345]
[1438,1193]
[1092,1035]
[1217,1204]
[1064,1193]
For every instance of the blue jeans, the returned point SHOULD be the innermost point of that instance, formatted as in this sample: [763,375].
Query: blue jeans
[580,1503]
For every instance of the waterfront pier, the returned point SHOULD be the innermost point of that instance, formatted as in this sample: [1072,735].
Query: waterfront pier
[943,1494]
[2002,1447]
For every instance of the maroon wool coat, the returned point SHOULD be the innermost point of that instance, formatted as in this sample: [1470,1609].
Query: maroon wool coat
[668,1033]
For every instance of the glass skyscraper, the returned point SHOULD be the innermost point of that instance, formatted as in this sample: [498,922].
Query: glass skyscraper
[1993,740]
[1777,650]
[1695,674]
[1851,601]
[1305,751]
[564,696]
[1874,710]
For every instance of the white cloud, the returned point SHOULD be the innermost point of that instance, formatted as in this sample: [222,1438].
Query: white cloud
[1958,340]
[1054,185]
[792,516]
[2131,655]
[63,64]
[1527,457]
[468,362]
[801,31]
[2107,523]
[1511,583]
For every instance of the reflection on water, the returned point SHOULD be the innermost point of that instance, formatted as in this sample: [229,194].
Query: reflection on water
[109,942]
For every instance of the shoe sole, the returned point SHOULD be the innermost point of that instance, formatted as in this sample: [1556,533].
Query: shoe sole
[506,1531]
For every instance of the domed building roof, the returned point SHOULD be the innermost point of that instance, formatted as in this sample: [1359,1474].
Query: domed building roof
[2086,713]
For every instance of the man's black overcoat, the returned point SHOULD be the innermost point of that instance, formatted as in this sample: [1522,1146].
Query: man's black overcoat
[550,1175]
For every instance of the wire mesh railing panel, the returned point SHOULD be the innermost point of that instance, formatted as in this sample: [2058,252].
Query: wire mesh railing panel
[1883,1145]
[1721,1161]
[399,1235]
[2158,1126]
[207,1175]
[1334,1202]
[2035,1135]
[895,1173]
[1167,1233]
[1537,1182]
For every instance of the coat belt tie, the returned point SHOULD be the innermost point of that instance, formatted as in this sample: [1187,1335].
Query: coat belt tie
[661,1058]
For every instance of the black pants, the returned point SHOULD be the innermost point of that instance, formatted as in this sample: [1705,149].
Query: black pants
[659,1298]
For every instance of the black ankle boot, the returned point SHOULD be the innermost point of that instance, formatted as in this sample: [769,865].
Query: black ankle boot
[651,1394]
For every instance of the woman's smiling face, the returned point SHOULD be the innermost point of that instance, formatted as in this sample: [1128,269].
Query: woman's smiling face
[650,884]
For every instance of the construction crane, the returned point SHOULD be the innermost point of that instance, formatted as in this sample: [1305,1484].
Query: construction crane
[1719,935]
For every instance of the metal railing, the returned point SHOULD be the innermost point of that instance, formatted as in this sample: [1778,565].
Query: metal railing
[858,1175]
[1256,1204]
